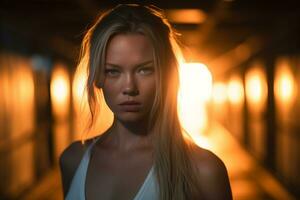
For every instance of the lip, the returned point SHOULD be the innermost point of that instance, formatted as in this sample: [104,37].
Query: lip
[130,106]
[125,103]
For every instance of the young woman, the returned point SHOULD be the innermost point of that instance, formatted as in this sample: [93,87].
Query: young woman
[131,58]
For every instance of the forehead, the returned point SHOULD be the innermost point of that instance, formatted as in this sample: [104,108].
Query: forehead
[129,49]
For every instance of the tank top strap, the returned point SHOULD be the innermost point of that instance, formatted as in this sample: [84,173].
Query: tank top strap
[77,187]
[149,190]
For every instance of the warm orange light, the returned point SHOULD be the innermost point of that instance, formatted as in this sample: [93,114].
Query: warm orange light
[82,114]
[242,52]
[256,87]
[284,84]
[194,93]
[60,92]
[219,94]
[195,82]
[20,105]
[193,16]
[235,90]
[17,121]
[78,88]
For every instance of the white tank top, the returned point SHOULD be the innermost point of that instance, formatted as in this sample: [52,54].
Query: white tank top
[148,191]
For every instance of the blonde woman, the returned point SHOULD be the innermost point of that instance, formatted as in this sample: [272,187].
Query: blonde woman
[131,59]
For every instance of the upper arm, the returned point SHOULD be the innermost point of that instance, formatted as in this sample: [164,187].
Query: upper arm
[68,162]
[213,176]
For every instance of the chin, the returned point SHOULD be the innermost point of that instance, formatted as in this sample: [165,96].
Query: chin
[131,117]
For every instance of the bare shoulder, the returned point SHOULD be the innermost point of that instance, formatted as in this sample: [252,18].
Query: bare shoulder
[69,161]
[206,161]
[212,174]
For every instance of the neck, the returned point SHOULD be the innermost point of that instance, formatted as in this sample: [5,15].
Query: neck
[127,136]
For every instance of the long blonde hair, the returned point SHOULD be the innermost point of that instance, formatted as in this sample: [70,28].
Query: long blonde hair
[172,150]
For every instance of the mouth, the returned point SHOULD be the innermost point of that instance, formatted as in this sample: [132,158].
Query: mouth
[130,106]
[129,103]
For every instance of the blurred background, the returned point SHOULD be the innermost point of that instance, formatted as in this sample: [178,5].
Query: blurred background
[239,92]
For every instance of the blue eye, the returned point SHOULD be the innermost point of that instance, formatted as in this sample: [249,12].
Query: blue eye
[146,70]
[111,72]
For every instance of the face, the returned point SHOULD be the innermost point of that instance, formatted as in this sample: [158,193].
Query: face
[129,81]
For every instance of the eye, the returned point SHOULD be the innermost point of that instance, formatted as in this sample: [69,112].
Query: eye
[146,70]
[112,72]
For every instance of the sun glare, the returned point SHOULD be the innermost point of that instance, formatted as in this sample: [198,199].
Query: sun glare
[219,95]
[194,94]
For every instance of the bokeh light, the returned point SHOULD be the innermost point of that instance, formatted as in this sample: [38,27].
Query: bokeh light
[60,92]
[284,83]
[256,88]
[235,91]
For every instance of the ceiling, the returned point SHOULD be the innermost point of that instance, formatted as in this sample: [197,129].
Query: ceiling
[55,27]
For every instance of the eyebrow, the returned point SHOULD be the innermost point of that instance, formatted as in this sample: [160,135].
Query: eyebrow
[139,65]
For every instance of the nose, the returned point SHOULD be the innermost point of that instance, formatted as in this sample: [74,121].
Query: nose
[130,86]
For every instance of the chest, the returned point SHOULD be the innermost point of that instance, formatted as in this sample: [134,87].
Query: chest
[111,176]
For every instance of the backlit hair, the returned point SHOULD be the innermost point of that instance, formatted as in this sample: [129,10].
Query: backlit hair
[172,150]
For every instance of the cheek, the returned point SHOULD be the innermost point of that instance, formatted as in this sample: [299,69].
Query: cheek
[110,94]
[150,90]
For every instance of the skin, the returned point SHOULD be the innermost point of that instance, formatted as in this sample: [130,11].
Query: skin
[123,156]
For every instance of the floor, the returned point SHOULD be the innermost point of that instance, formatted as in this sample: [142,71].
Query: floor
[248,179]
